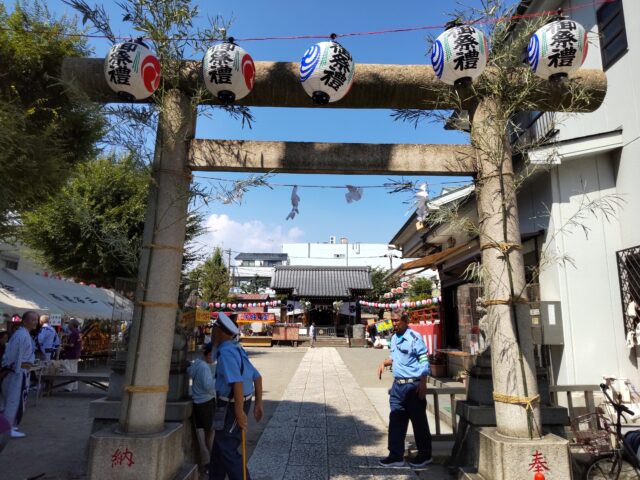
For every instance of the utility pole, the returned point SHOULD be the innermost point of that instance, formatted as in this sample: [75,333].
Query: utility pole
[229,265]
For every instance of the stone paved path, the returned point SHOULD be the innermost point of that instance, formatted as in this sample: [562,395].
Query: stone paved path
[325,427]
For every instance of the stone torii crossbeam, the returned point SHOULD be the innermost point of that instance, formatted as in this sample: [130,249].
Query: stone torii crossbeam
[277,85]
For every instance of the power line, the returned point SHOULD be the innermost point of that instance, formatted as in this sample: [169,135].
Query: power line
[486,21]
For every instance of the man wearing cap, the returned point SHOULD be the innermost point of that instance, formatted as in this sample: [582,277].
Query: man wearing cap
[407,396]
[237,380]
[48,340]
[18,358]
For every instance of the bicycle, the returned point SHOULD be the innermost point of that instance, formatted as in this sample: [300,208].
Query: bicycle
[613,457]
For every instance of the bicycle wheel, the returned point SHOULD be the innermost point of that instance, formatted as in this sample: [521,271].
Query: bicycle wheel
[611,468]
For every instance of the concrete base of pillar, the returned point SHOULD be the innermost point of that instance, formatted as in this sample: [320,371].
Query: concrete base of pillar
[505,458]
[106,414]
[473,418]
[118,456]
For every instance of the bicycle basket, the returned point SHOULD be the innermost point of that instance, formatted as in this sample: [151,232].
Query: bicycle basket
[590,431]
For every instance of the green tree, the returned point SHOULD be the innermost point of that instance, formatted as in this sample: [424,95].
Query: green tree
[254,285]
[420,288]
[91,229]
[44,132]
[380,285]
[210,280]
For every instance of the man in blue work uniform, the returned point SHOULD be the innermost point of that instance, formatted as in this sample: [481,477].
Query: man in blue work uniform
[237,381]
[407,396]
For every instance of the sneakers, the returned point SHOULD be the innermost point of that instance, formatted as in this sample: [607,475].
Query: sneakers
[420,461]
[390,462]
[16,434]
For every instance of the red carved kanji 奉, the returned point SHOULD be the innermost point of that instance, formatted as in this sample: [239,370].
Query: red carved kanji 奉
[539,465]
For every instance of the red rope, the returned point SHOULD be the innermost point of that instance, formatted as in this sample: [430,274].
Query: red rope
[488,21]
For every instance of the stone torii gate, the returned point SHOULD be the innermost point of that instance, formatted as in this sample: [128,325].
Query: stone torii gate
[142,415]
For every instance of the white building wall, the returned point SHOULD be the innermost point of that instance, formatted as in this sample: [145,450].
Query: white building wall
[343,255]
[587,285]
[620,110]
[589,290]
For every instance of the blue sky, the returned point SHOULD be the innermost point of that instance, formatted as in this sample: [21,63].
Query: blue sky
[259,223]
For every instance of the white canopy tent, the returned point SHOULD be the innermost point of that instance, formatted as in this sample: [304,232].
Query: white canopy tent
[76,300]
[17,298]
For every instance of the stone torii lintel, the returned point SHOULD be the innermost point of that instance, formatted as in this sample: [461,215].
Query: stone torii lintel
[331,158]
[375,86]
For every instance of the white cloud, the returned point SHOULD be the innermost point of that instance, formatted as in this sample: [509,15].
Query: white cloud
[251,236]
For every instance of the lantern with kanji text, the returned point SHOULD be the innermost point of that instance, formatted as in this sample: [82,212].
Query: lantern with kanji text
[460,54]
[228,72]
[326,72]
[132,71]
[558,49]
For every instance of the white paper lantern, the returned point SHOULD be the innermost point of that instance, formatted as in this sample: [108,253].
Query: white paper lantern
[132,71]
[459,54]
[326,72]
[228,72]
[557,49]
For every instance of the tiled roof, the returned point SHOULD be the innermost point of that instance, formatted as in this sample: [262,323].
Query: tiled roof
[262,256]
[309,281]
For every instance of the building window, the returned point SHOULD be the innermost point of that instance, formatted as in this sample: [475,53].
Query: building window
[629,276]
[613,38]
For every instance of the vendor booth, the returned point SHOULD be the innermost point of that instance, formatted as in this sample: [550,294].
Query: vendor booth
[100,311]
[256,328]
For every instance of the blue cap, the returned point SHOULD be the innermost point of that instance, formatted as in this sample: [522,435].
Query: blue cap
[226,323]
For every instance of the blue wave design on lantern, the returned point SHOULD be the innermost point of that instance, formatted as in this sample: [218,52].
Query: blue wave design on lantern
[309,61]
[533,52]
[437,58]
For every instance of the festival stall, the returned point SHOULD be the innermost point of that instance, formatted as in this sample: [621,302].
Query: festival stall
[101,312]
[426,322]
[287,332]
[256,328]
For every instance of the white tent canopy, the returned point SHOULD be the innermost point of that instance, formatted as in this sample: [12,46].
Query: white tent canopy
[17,298]
[76,300]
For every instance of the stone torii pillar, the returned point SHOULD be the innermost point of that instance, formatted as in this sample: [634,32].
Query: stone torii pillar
[277,85]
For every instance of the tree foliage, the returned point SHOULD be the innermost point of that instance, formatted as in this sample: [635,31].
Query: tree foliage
[380,285]
[255,285]
[210,280]
[91,229]
[420,288]
[44,131]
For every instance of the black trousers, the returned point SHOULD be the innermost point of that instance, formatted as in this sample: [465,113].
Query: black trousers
[405,406]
